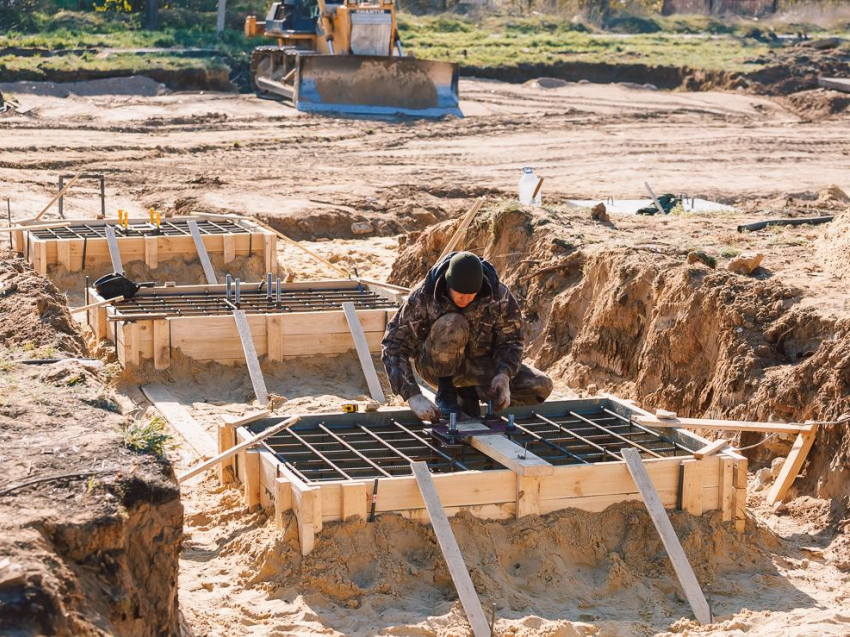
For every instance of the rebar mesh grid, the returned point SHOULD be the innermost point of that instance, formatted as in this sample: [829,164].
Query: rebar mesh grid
[167,228]
[320,452]
[257,301]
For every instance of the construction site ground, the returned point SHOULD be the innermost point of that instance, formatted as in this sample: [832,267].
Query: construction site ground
[774,345]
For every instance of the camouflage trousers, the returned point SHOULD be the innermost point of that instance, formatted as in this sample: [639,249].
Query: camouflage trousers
[444,354]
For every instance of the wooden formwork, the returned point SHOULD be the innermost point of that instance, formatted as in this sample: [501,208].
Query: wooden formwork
[713,483]
[141,242]
[277,334]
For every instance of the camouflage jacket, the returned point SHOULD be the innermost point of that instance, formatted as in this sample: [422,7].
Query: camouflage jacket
[495,326]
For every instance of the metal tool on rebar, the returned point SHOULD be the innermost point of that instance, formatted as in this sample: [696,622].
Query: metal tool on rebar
[277,293]
[228,281]
[374,501]
[269,290]
[237,292]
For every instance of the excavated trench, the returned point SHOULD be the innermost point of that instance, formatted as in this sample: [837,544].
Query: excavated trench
[644,324]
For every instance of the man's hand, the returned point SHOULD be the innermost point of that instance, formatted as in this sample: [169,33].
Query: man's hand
[424,408]
[500,392]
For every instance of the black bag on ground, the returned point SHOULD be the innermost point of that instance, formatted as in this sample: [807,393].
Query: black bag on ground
[111,286]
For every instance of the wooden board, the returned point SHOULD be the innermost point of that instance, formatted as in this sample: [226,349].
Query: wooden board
[202,252]
[791,467]
[451,552]
[363,353]
[114,252]
[180,420]
[683,569]
[251,359]
[726,425]
[835,83]
[507,453]
[711,448]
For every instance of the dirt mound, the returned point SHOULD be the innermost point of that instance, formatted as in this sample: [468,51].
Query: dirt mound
[133,85]
[818,104]
[91,546]
[34,318]
[833,246]
[644,324]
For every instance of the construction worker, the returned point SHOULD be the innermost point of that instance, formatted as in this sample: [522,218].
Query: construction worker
[462,328]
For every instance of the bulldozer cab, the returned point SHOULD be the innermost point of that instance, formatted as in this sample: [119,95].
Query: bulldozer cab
[292,16]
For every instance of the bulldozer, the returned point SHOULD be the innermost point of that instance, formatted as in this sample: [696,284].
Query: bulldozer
[347,58]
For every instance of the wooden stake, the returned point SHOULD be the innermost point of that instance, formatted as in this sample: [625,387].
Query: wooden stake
[711,448]
[674,549]
[321,259]
[450,246]
[202,252]
[363,353]
[251,359]
[56,196]
[451,552]
[180,420]
[114,252]
[793,464]
[91,306]
[242,445]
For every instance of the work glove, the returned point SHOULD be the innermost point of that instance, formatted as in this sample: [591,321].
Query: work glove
[423,408]
[500,392]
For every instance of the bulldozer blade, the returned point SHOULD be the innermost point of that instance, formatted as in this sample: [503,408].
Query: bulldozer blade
[375,85]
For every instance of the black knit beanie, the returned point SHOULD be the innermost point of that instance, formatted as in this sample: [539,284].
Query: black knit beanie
[465,273]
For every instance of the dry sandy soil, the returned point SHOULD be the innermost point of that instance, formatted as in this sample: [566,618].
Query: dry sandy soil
[563,575]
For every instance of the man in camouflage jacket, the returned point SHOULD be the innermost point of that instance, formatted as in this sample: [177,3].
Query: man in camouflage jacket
[462,329]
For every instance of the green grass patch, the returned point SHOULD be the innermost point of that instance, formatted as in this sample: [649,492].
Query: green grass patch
[147,436]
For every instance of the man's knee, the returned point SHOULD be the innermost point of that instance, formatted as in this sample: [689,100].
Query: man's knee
[445,346]
[449,333]
[531,386]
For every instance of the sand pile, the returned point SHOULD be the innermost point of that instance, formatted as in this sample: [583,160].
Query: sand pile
[566,574]
[34,317]
[833,246]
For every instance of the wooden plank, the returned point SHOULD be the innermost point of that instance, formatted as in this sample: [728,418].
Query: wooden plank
[506,452]
[274,338]
[229,245]
[739,507]
[692,487]
[238,421]
[451,552]
[726,494]
[251,359]
[152,252]
[237,448]
[363,353]
[791,467]
[674,549]
[161,345]
[461,229]
[353,500]
[282,501]
[711,448]
[39,249]
[528,496]
[132,345]
[114,252]
[471,488]
[268,476]
[226,440]
[251,482]
[202,251]
[726,425]
[270,252]
[307,504]
[180,419]
[331,322]
[63,254]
